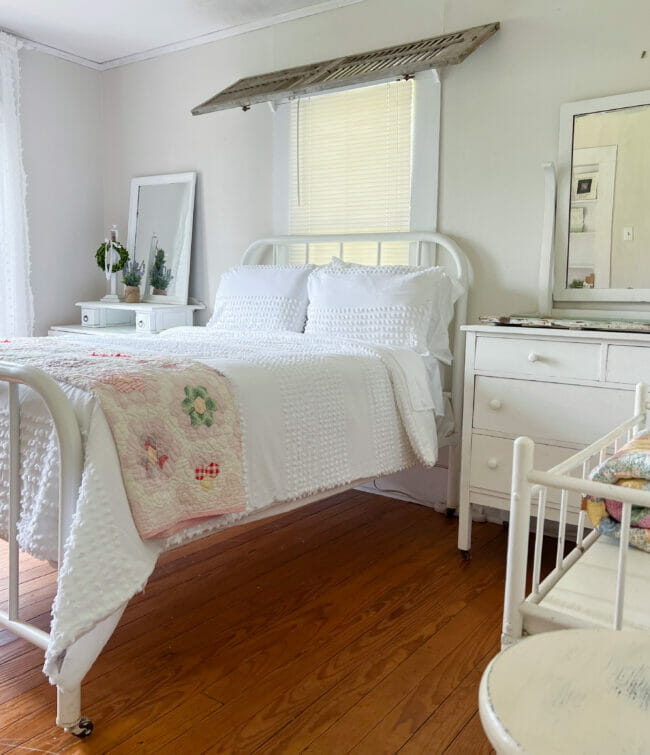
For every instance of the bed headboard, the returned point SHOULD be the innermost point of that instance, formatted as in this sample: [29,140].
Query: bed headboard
[426,249]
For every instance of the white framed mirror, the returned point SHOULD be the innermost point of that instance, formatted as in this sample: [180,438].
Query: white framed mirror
[161,214]
[602,228]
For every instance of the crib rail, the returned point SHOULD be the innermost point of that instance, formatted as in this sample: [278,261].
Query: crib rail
[570,475]
[70,468]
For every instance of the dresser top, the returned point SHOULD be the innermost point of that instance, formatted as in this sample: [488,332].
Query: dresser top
[558,333]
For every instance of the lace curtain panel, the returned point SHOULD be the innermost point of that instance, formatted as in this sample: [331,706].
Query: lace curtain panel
[16,304]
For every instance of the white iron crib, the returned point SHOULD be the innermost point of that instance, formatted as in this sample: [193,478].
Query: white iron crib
[588,586]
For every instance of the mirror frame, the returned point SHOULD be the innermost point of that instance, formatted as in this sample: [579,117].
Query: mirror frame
[166,178]
[568,112]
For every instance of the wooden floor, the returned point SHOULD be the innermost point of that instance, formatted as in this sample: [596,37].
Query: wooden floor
[351,625]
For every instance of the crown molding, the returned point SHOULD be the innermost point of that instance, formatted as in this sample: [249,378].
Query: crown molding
[203,39]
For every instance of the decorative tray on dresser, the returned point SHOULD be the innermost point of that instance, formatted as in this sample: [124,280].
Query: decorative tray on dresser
[562,388]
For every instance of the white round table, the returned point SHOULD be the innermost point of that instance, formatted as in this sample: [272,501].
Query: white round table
[570,691]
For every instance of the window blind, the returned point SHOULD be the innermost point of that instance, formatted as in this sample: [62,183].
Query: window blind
[350,169]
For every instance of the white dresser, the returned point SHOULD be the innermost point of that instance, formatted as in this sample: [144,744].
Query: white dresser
[562,388]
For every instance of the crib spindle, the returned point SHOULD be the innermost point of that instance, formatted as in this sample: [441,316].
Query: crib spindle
[581,516]
[539,539]
[622,562]
[14,499]
[559,556]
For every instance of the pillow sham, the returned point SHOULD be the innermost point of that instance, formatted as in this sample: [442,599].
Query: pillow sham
[262,297]
[409,307]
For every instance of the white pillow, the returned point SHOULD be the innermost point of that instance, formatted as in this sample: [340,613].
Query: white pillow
[262,297]
[409,307]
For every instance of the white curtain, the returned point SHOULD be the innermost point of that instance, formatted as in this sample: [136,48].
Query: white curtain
[16,303]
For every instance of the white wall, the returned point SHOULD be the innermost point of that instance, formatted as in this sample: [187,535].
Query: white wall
[63,160]
[499,122]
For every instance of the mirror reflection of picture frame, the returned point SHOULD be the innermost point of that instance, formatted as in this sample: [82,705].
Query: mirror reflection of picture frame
[172,197]
[584,187]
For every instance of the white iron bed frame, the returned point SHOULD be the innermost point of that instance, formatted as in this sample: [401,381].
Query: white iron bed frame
[523,614]
[423,251]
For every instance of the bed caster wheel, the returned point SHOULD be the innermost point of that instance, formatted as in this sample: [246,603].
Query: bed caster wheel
[467,555]
[450,513]
[83,728]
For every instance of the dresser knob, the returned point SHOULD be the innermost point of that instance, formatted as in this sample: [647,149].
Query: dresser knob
[141,323]
[533,357]
[492,463]
[85,318]
[495,404]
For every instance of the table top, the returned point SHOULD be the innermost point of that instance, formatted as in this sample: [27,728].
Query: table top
[144,306]
[570,691]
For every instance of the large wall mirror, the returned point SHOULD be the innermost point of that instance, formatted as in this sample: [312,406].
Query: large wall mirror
[161,214]
[602,232]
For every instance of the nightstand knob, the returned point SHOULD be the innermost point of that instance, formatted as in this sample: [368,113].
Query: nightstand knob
[492,463]
[85,318]
[533,357]
[495,404]
[141,323]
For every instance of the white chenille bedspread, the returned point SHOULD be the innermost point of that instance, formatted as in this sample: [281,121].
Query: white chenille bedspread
[316,415]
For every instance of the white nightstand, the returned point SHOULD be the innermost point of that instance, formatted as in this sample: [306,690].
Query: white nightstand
[102,318]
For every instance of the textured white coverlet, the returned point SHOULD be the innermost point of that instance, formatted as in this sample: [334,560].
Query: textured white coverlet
[316,415]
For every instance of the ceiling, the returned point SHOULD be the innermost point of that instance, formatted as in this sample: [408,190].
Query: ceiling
[107,33]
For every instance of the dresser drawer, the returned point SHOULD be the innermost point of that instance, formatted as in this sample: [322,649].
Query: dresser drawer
[628,364]
[548,411]
[538,358]
[491,466]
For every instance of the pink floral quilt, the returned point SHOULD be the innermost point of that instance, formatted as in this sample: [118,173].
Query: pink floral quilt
[175,424]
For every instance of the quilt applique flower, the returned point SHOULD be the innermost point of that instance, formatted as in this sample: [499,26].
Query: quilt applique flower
[154,458]
[199,406]
[205,474]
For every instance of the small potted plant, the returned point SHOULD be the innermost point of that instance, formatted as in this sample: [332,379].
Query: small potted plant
[132,276]
[160,276]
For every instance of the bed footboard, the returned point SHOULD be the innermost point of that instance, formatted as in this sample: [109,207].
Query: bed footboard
[70,467]
[569,476]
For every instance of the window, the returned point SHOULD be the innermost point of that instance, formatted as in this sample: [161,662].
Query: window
[350,168]
[362,160]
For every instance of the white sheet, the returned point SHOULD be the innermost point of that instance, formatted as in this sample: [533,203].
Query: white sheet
[316,415]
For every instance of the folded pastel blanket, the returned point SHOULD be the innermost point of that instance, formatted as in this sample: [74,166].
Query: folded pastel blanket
[176,428]
[629,468]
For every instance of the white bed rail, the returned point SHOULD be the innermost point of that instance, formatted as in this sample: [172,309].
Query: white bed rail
[568,476]
[70,468]
[423,251]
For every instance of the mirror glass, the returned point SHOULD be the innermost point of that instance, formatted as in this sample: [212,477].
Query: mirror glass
[609,224]
[160,234]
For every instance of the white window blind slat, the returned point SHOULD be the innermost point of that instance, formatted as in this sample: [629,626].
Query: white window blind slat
[350,169]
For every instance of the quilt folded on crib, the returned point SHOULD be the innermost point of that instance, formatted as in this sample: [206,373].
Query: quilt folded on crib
[175,424]
[630,468]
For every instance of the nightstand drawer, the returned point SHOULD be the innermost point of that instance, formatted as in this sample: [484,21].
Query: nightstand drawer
[538,358]
[491,466]
[548,411]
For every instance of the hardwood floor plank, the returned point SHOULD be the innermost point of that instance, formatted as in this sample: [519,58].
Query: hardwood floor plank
[442,726]
[471,739]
